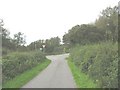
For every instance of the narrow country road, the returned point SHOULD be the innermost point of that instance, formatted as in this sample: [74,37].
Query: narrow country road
[56,75]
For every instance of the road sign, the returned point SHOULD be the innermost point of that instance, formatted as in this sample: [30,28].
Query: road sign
[43,46]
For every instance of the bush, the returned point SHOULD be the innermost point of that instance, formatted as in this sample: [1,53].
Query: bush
[56,51]
[99,61]
[18,62]
[5,51]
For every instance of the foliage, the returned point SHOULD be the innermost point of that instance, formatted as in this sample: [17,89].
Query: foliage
[83,34]
[19,39]
[99,61]
[16,63]
[36,45]
[105,28]
[6,41]
[82,80]
[95,48]
[9,44]
[108,21]
[25,77]
[57,50]
[52,45]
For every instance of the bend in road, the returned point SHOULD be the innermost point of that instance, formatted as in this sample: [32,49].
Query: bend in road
[56,75]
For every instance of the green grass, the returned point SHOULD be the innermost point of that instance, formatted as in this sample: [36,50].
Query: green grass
[25,77]
[81,79]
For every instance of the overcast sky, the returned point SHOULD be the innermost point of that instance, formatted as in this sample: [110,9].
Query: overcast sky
[42,19]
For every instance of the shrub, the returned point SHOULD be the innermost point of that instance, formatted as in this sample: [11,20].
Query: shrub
[99,61]
[16,63]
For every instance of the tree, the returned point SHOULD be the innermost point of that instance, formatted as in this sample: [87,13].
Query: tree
[36,45]
[66,39]
[19,39]
[51,44]
[9,44]
[83,34]
[6,41]
[108,21]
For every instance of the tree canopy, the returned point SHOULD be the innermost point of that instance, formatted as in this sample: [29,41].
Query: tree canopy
[105,28]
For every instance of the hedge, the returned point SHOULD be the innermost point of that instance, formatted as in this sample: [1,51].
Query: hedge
[99,61]
[18,62]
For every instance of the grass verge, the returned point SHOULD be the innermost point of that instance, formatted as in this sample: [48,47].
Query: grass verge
[81,79]
[25,77]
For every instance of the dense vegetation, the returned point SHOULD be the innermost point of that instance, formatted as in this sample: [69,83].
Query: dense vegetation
[104,29]
[26,76]
[16,63]
[18,58]
[95,48]
[17,43]
[51,46]
[82,80]
[99,61]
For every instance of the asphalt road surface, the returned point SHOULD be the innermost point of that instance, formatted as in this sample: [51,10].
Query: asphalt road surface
[56,75]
